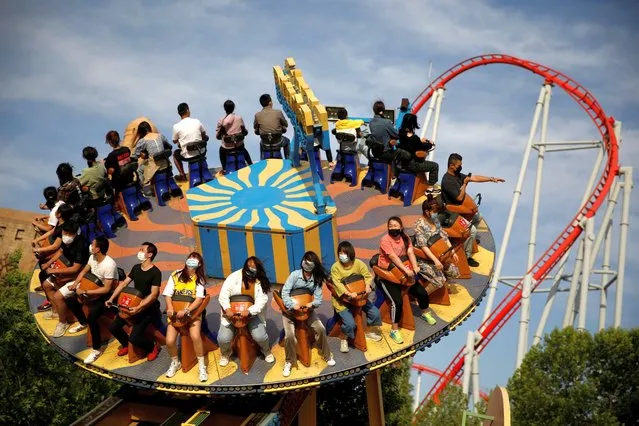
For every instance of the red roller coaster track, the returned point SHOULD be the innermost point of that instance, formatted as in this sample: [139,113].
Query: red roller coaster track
[509,305]
[435,372]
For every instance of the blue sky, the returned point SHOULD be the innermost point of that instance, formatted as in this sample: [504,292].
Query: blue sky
[71,71]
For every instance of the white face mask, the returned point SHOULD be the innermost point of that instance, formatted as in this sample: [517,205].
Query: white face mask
[192,263]
[308,266]
[67,240]
[343,258]
[141,256]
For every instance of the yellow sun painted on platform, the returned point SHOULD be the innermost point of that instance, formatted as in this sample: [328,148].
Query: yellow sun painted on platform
[214,371]
[377,350]
[460,299]
[486,258]
[109,360]
[297,372]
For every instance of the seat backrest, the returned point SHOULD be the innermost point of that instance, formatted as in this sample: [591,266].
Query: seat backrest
[345,137]
[163,155]
[196,147]
[271,138]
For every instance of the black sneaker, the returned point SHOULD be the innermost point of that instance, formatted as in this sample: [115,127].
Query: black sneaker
[472,262]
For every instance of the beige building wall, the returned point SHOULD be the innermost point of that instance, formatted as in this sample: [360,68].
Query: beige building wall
[16,232]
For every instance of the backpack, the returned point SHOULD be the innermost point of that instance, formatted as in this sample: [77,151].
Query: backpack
[375,146]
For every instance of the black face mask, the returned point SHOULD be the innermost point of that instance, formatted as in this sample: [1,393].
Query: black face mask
[394,232]
[459,169]
[250,274]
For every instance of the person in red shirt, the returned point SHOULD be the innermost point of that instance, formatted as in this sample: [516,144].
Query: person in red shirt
[392,248]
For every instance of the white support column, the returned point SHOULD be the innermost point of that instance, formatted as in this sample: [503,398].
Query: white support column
[623,241]
[571,307]
[429,113]
[468,361]
[438,108]
[603,296]
[417,389]
[550,299]
[475,375]
[522,343]
[585,273]
[513,206]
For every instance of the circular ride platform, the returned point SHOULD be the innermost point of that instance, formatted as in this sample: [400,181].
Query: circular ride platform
[360,218]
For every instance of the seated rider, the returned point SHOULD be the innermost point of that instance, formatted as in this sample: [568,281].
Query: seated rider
[346,266]
[432,271]
[311,276]
[94,178]
[70,295]
[271,121]
[69,190]
[46,223]
[392,247]
[188,281]
[185,131]
[352,127]
[453,191]
[250,280]
[118,163]
[409,145]
[146,278]
[383,130]
[231,131]
[148,145]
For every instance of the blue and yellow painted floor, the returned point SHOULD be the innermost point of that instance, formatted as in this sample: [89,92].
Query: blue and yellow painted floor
[361,219]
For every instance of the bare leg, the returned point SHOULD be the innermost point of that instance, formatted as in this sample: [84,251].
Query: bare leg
[171,339]
[178,164]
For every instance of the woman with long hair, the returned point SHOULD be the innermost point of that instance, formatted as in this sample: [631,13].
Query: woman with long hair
[147,145]
[311,276]
[393,246]
[412,144]
[431,270]
[188,281]
[251,281]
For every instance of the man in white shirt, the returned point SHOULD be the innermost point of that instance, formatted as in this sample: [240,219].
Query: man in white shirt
[185,131]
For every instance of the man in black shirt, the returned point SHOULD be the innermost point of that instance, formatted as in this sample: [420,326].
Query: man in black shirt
[453,191]
[147,279]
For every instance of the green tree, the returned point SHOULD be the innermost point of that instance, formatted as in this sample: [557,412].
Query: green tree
[345,402]
[449,411]
[575,378]
[37,385]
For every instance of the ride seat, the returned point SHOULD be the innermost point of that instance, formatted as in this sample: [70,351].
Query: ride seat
[270,145]
[163,181]
[198,168]
[347,164]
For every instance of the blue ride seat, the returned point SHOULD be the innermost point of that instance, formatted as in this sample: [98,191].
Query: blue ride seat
[163,182]
[378,175]
[318,162]
[90,230]
[134,200]
[409,186]
[109,219]
[270,146]
[347,162]
[198,168]
[235,161]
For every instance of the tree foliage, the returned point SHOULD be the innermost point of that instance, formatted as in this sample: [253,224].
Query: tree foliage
[37,385]
[449,411]
[345,402]
[574,378]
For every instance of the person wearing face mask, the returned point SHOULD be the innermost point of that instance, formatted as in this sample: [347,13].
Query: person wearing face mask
[188,281]
[105,269]
[74,250]
[146,278]
[311,276]
[432,271]
[453,191]
[393,246]
[346,266]
[251,280]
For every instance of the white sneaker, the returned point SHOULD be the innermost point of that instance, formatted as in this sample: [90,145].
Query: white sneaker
[269,358]
[77,328]
[173,368]
[204,376]
[49,315]
[343,346]
[331,361]
[93,356]
[287,369]
[224,361]
[60,329]
[375,337]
